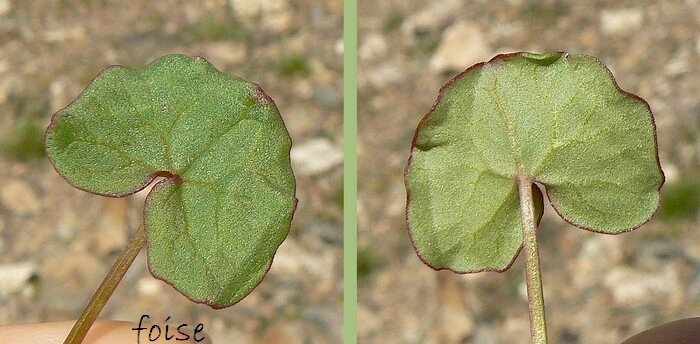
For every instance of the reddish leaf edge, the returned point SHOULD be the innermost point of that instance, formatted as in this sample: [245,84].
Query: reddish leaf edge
[535,187]
[259,94]
[169,177]
[552,201]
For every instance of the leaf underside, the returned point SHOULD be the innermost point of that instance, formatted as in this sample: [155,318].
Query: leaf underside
[556,118]
[216,220]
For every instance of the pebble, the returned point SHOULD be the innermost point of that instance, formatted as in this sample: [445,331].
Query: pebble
[271,14]
[110,236]
[671,172]
[19,197]
[58,94]
[339,47]
[463,44]
[64,281]
[596,253]
[678,64]
[326,317]
[373,46]
[283,334]
[321,233]
[65,34]
[485,334]
[4,7]
[515,328]
[368,321]
[315,157]
[328,96]
[224,53]
[110,233]
[430,18]
[632,288]
[242,337]
[149,286]
[14,276]
[385,75]
[620,21]
[293,259]
[457,323]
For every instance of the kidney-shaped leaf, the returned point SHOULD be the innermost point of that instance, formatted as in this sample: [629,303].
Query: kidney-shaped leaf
[214,223]
[554,118]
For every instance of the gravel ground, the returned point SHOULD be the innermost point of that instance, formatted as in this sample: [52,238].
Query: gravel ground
[56,242]
[598,288]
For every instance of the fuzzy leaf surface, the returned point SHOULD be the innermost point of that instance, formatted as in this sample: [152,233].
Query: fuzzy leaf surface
[215,222]
[555,118]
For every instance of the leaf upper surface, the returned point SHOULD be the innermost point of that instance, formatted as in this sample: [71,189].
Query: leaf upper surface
[558,119]
[216,221]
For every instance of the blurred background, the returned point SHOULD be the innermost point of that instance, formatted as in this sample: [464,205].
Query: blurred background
[57,243]
[597,288]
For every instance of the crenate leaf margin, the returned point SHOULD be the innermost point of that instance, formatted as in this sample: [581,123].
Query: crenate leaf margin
[542,59]
[168,176]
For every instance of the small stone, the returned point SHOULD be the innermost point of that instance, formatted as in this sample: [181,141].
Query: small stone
[693,252]
[385,75]
[5,82]
[485,334]
[678,64]
[59,35]
[4,7]
[671,172]
[327,317]
[283,334]
[431,17]
[270,14]
[315,157]
[328,96]
[224,53]
[596,251]
[110,232]
[372,47]
[515,328]
[19,197]
[505,30]
[632,288]
[14,276]
[57,92]
[241,336]
[339,47]
[367,321]
[293,259]
[457,323]
[64,280]
[149,286]
[463,44]
[620,21]
[321,233]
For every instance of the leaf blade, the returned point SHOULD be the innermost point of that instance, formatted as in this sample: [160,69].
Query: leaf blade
[556,118]
[216,221]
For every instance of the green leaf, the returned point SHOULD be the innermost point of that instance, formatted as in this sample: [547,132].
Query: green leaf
[556,118]
[226,203]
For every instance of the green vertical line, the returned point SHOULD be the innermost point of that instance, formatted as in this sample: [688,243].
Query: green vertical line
[350,172]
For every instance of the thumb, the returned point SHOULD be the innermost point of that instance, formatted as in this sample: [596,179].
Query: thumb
[102,332]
